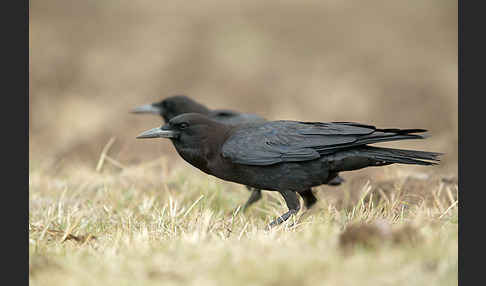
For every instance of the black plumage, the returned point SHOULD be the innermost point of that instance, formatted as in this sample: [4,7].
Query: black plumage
[285,156]
[173,106]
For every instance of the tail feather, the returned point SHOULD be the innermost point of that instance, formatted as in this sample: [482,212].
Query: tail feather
[386,138]
[391,134]
[391,155]
[370,139]
[401,131]
[359,154]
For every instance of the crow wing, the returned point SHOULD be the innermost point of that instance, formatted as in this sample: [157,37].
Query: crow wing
[292,141]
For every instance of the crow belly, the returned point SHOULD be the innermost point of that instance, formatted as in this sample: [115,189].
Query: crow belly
[283,176]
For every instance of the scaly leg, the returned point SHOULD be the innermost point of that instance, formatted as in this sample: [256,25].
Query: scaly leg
[309,198]
[256,194]
[293,204]
[335,180]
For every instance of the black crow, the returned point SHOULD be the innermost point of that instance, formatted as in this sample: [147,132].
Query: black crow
[285,156]
[173,106]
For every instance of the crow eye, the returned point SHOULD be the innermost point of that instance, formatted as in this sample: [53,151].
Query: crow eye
[183,125]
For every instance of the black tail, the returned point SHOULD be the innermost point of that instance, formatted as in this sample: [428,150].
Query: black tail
[369,156]
[385,156]
[385,135]
[358,154]
[379,135]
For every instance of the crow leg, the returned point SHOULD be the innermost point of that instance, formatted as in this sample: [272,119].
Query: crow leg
[335,180]
[308,197]
[256,194]
[293,204]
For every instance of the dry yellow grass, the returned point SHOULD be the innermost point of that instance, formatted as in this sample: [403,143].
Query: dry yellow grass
[147,225]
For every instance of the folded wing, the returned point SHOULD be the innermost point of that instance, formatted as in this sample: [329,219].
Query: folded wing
[292,141]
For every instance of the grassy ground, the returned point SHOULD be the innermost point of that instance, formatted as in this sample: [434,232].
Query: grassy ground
[151,225]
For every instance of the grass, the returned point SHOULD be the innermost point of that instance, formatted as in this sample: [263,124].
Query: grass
[147,225]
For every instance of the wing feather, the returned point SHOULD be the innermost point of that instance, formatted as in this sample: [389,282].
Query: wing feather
[289,141]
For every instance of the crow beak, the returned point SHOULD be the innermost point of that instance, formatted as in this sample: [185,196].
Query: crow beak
[159,132]
[148,108]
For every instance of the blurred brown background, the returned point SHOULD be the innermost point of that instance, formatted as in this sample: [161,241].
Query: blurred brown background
[381,62]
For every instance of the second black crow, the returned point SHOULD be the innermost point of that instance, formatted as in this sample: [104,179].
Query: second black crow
[172,106]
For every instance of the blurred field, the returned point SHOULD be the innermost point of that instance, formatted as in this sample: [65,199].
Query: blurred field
[386,63]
